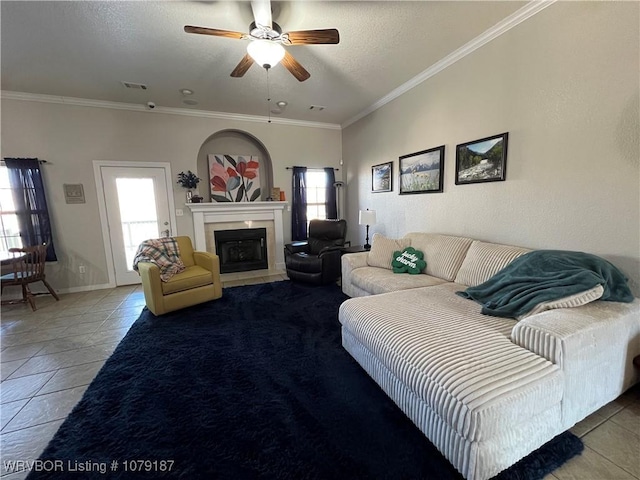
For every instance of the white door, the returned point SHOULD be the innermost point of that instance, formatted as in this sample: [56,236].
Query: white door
[137,208]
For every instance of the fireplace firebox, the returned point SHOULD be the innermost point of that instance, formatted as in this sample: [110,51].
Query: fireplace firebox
[242,250]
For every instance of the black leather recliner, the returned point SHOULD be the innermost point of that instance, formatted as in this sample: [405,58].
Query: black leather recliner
[317,260]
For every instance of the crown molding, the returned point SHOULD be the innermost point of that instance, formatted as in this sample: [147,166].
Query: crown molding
[516,18]
[83,102]
[529,10]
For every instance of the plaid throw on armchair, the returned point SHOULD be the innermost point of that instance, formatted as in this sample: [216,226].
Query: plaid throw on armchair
[162,252]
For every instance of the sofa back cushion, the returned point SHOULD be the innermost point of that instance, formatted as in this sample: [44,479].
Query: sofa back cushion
[186,250]
[443,253]
[382,248]
[484,260]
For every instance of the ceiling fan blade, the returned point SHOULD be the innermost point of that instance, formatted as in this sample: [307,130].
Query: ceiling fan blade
[215,32]
[243,66]
[314,37]
[262,12]
[294,67]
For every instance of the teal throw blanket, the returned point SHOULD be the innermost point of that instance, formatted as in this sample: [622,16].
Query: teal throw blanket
[547,275]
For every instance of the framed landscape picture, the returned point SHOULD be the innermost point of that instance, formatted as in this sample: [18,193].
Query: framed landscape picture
[483,160]
[422,172]
[381,177]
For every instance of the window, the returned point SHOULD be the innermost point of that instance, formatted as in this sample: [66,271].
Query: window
[24,200]
[316,195]
[9,230]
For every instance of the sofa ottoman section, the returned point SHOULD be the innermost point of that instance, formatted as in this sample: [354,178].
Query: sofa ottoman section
[474,460]
[588,343]
[437,355]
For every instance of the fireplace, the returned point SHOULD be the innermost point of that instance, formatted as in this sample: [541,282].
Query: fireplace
[209,218]
[242,250]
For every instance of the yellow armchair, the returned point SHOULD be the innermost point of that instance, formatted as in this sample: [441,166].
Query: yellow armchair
[198,283]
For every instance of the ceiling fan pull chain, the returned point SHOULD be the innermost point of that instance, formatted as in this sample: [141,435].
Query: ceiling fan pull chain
[268,96]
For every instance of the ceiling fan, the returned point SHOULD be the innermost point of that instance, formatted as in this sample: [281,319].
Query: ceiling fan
[267,40]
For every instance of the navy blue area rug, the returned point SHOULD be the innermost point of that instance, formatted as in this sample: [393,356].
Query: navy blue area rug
[255,385]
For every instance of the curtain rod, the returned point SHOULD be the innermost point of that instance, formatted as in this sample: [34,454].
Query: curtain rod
[311,168]
[39,161]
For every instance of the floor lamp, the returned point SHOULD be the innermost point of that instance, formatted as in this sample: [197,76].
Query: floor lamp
[367,217]
[337,186]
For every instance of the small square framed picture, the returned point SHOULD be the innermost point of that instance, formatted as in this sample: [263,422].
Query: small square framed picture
[74,193]
[422,172]
[483,160]
[382,178]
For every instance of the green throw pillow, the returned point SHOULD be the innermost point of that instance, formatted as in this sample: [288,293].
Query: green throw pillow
[408,260]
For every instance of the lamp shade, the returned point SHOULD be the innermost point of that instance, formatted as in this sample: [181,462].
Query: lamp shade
[367,217]
[266,53]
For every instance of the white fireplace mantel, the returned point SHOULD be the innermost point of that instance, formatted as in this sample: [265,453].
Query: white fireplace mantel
[226,212]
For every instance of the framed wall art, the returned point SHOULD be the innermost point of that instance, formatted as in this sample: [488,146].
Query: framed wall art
[483,160]
[422,172]
[73,193]
[382,177]
[234,178]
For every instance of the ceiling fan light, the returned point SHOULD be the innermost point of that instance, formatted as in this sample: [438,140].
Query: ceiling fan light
[265,52]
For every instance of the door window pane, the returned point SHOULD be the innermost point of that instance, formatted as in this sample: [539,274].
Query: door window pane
[138,213]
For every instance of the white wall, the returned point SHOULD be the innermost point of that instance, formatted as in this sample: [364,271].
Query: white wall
[564,84]
[72,137]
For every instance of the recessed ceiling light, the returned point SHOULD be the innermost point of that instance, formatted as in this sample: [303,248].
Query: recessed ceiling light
[186,91]
[190,102]
[282,104]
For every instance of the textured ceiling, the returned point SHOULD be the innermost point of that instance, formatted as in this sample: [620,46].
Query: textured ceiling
[85,49]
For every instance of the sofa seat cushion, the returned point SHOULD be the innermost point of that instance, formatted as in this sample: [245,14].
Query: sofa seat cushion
[460,363]
[192,277]
[379,280]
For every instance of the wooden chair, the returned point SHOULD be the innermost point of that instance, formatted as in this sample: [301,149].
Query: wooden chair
[28,267]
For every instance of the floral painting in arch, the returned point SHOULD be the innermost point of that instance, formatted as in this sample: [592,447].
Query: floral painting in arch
[234,178]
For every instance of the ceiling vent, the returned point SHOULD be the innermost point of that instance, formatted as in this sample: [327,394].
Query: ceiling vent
[317,108]
[135,86]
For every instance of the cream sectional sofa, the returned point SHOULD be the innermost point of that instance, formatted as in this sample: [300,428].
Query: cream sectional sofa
[485,390]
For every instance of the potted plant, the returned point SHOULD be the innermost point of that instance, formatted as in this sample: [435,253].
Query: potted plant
[189,181]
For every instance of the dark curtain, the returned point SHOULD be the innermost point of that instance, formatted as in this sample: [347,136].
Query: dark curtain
[27,188]
[299,204]
[331,202]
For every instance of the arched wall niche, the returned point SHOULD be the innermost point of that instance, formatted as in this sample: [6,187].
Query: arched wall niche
[234,142]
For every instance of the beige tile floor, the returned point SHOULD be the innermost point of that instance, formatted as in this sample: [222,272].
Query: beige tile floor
[49,357]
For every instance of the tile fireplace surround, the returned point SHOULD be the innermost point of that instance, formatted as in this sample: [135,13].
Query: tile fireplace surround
[212,216]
